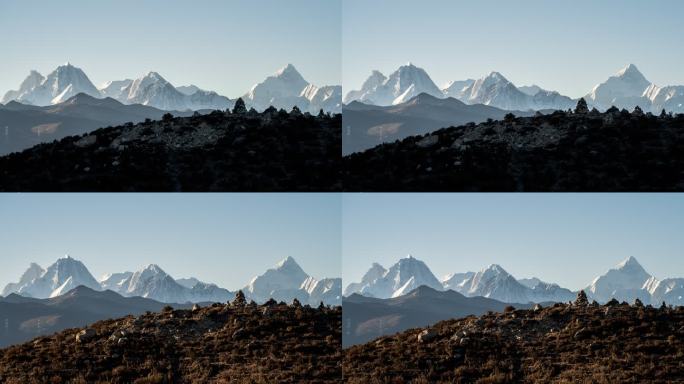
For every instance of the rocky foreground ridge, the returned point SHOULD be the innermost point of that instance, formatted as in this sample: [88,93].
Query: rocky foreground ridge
[235,150]
[563,343]
[237,342]
[577,150]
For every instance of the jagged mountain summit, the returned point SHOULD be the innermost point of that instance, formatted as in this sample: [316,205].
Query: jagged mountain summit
[285,282]
[628,281]
[626,89]
[402,85]
[60,277]
[61,84]
[402,277]
[286,89]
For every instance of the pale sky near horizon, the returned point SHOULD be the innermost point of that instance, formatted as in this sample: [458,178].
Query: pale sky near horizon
[225,238]
[567,239]
[567,46]
[224,46]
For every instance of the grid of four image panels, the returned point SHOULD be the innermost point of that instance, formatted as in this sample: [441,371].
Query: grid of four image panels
[341,191]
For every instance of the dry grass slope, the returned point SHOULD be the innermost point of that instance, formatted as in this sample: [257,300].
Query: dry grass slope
[615,343]
[223,343]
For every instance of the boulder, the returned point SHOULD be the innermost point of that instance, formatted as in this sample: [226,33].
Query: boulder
[85,335]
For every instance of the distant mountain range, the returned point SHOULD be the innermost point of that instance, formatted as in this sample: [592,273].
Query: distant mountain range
[23,318]
[366,126]
[23,126]
[285,89]
[626,89]
[365,318]
[286,281]
[627,281]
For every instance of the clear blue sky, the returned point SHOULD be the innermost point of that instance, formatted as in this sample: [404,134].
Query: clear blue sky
[220,238]
[568,46]
[564,238]
[220,45]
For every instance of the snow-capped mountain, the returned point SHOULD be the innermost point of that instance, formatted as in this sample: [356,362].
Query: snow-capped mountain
[33,272]
[286,277]
[456,280]
[402,85]
[669,98]
[285,89]
[328,290]
[33,80]
[115,281]
[327,98]
[456,87]
[495,90]
[670,291]
[60,85]
[281,90]
[624,90]
[188,89]
[114,89]
[376,271]
[65,274]
[530,90]
[153,283]
[285,282]
[188,282]
[404,276]
[375,80]
[495,283]
[624,283]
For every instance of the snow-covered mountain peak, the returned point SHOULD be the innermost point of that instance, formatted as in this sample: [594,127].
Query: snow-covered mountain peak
[630,263]
[630,71]
[287,263]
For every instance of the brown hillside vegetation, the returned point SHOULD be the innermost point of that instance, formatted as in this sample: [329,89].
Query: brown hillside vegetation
[236,343]
[579,343]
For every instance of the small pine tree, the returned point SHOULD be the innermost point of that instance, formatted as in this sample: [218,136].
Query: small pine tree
[663,113]
[638,111]
[296,110]
[581,107]
[167,117]
[239,107]
[509,117]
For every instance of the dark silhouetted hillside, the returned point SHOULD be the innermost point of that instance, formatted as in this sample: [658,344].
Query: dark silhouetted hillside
[367,318]
[366,126]
[614,343]
[562,151]
[222,343]
[220,151]
[23,318]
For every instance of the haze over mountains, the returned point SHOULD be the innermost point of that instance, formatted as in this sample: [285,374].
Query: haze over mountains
[626,282]
[284,282]
[626,89]
[285,89]
[366,126]
[366,318]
